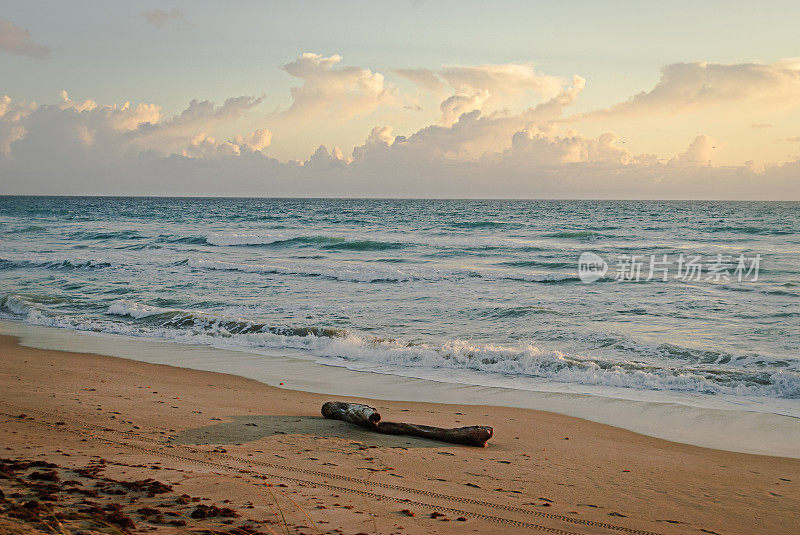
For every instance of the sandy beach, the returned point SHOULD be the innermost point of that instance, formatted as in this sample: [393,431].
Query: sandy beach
[267,460]
[389,268]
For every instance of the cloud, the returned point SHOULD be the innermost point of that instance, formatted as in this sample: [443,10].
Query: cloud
[690,86]
[198,117]
[80,147]
[453,107]
[473,135]
[334,92]
[425,78]
[506,79]
[543,165]
[481,150]
[205,146]
[75,133]
[18,41]
[158,18]
[323,160]
[699,152]
[535,148]
[482,87]
[258,140]
[11,127]
[380,138]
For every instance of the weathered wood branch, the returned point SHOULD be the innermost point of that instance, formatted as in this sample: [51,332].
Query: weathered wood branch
[367,417]
[355,413]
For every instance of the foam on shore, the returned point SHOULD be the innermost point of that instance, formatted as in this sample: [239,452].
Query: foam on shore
[728,429]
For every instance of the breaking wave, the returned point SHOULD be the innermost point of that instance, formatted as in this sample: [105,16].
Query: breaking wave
[101,235]
[357,351]
[365,245]
[228,240]
[343,273]
[586,235]
[325,242]
[450,285]
[477,224]
[58,264]
[220,325]
[372,273]
[767,231]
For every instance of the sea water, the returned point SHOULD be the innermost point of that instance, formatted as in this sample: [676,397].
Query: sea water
[475,292]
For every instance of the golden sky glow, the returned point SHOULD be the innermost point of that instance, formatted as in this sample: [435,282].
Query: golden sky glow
[323,115]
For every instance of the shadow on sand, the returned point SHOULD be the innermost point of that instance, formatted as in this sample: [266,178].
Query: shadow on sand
[251,428]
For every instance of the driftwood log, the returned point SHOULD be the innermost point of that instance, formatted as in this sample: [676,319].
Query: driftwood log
[368,418]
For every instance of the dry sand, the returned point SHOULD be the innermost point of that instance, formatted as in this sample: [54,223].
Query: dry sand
[265,455]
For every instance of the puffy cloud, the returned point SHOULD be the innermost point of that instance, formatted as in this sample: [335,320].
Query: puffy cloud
[480,87]
[258,140]
[205,146]
[554,107]
[506,79]
[473,135]
[198,117]
[158,18]
[84,147]
[12,118]
[84,133]
[453,107]
[544,165]
[324,160]
[122,118]
[338,92]
[425,78]
[18,41]
[689,86]
[535,148]
[537,162]
[698,153]
[379,139]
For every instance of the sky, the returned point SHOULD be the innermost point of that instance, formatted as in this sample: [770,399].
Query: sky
[409,98]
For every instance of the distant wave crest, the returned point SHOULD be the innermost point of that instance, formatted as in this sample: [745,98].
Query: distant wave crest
[55,264]
[325,242]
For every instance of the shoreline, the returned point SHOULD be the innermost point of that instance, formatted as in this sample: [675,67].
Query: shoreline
[221,438]
[742,431]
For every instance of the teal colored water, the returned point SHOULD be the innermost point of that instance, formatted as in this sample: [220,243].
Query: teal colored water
[468,291]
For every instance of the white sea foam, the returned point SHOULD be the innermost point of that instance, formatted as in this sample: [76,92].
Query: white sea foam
[17,305]
[528,360]
[323,277]
[366,353]
[134,310]
[55,261]
[222,239]
[538,277]
[440,242]
[352,273]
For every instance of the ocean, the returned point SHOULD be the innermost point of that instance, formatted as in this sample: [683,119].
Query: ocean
[699,302]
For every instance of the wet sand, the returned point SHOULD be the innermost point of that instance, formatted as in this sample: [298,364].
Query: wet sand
[267,460]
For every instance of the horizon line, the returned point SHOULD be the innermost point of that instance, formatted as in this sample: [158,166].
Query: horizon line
[521,199]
